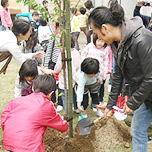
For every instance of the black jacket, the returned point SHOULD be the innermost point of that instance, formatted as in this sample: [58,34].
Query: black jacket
[134,63]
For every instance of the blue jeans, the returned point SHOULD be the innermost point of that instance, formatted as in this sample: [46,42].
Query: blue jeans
[140,122]
[3,28]
[74,99]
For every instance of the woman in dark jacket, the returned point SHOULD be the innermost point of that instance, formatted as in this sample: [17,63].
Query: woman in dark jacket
[132,47]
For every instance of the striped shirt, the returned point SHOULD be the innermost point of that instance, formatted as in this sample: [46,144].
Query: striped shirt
[100,54]
[56,52]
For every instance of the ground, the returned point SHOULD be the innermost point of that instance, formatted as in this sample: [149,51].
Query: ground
[104,135]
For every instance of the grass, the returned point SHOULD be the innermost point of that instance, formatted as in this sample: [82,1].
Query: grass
[7,83]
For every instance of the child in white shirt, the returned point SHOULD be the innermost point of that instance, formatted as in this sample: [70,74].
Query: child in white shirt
[83,18]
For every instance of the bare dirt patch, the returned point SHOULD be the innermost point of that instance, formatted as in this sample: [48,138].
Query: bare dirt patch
[105,134]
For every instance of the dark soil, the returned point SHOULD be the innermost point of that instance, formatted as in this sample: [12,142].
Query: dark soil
[105,134]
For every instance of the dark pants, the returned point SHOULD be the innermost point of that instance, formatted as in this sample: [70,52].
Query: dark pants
[101,91]
[89,33]
[94,97]
[101,94]
[76,35]
[59,98]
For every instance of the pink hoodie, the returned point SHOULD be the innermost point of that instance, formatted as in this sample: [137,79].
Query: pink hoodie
[24,121]
[5,18]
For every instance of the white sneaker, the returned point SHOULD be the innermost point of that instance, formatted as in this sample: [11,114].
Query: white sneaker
[75,110]
[94,109]
[59,108]
[100,114]
[85,116]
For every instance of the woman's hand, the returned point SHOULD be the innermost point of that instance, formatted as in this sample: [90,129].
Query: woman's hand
[47,71]
[40,54]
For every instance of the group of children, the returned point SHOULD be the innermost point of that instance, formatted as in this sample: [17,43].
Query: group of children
[31,110]
[93,51]
[79,22]
[34,112]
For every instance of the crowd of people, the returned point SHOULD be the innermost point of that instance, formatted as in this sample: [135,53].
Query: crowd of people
[119,46]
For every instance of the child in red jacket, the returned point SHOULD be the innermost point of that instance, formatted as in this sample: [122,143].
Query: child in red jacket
[25,119]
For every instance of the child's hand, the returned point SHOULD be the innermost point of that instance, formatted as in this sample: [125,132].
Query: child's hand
[102,106]
[79,106]
[64,135]
[98,80]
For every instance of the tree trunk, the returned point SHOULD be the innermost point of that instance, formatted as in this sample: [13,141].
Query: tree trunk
[69,66]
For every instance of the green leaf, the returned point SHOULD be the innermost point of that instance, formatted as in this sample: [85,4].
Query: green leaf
[61,94]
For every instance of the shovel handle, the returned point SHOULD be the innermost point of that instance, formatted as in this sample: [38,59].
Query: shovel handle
[98,120]
[101,118]
[82,112]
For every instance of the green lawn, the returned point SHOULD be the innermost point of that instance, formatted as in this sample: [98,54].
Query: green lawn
[7,83]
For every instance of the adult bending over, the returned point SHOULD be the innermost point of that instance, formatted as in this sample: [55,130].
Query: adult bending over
[132,47]
[21,30]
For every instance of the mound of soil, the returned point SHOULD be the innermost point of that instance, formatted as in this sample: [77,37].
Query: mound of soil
[105,134]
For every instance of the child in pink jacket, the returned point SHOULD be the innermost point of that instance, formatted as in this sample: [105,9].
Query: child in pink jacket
[25,119]
[5,15]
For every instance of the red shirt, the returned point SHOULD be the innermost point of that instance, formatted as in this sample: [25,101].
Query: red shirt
[24,121]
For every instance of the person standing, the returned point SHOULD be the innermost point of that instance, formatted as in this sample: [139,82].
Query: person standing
[45,5]
[131,44]
[83,19]
[146,19]
[5,15]
[35,23]
[89,6]
[75,28]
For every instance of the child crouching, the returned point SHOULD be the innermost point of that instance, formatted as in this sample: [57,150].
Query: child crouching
[88,81]
[25,119]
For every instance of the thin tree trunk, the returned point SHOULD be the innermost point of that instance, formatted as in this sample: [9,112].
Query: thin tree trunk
[68,49]
[64,72]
